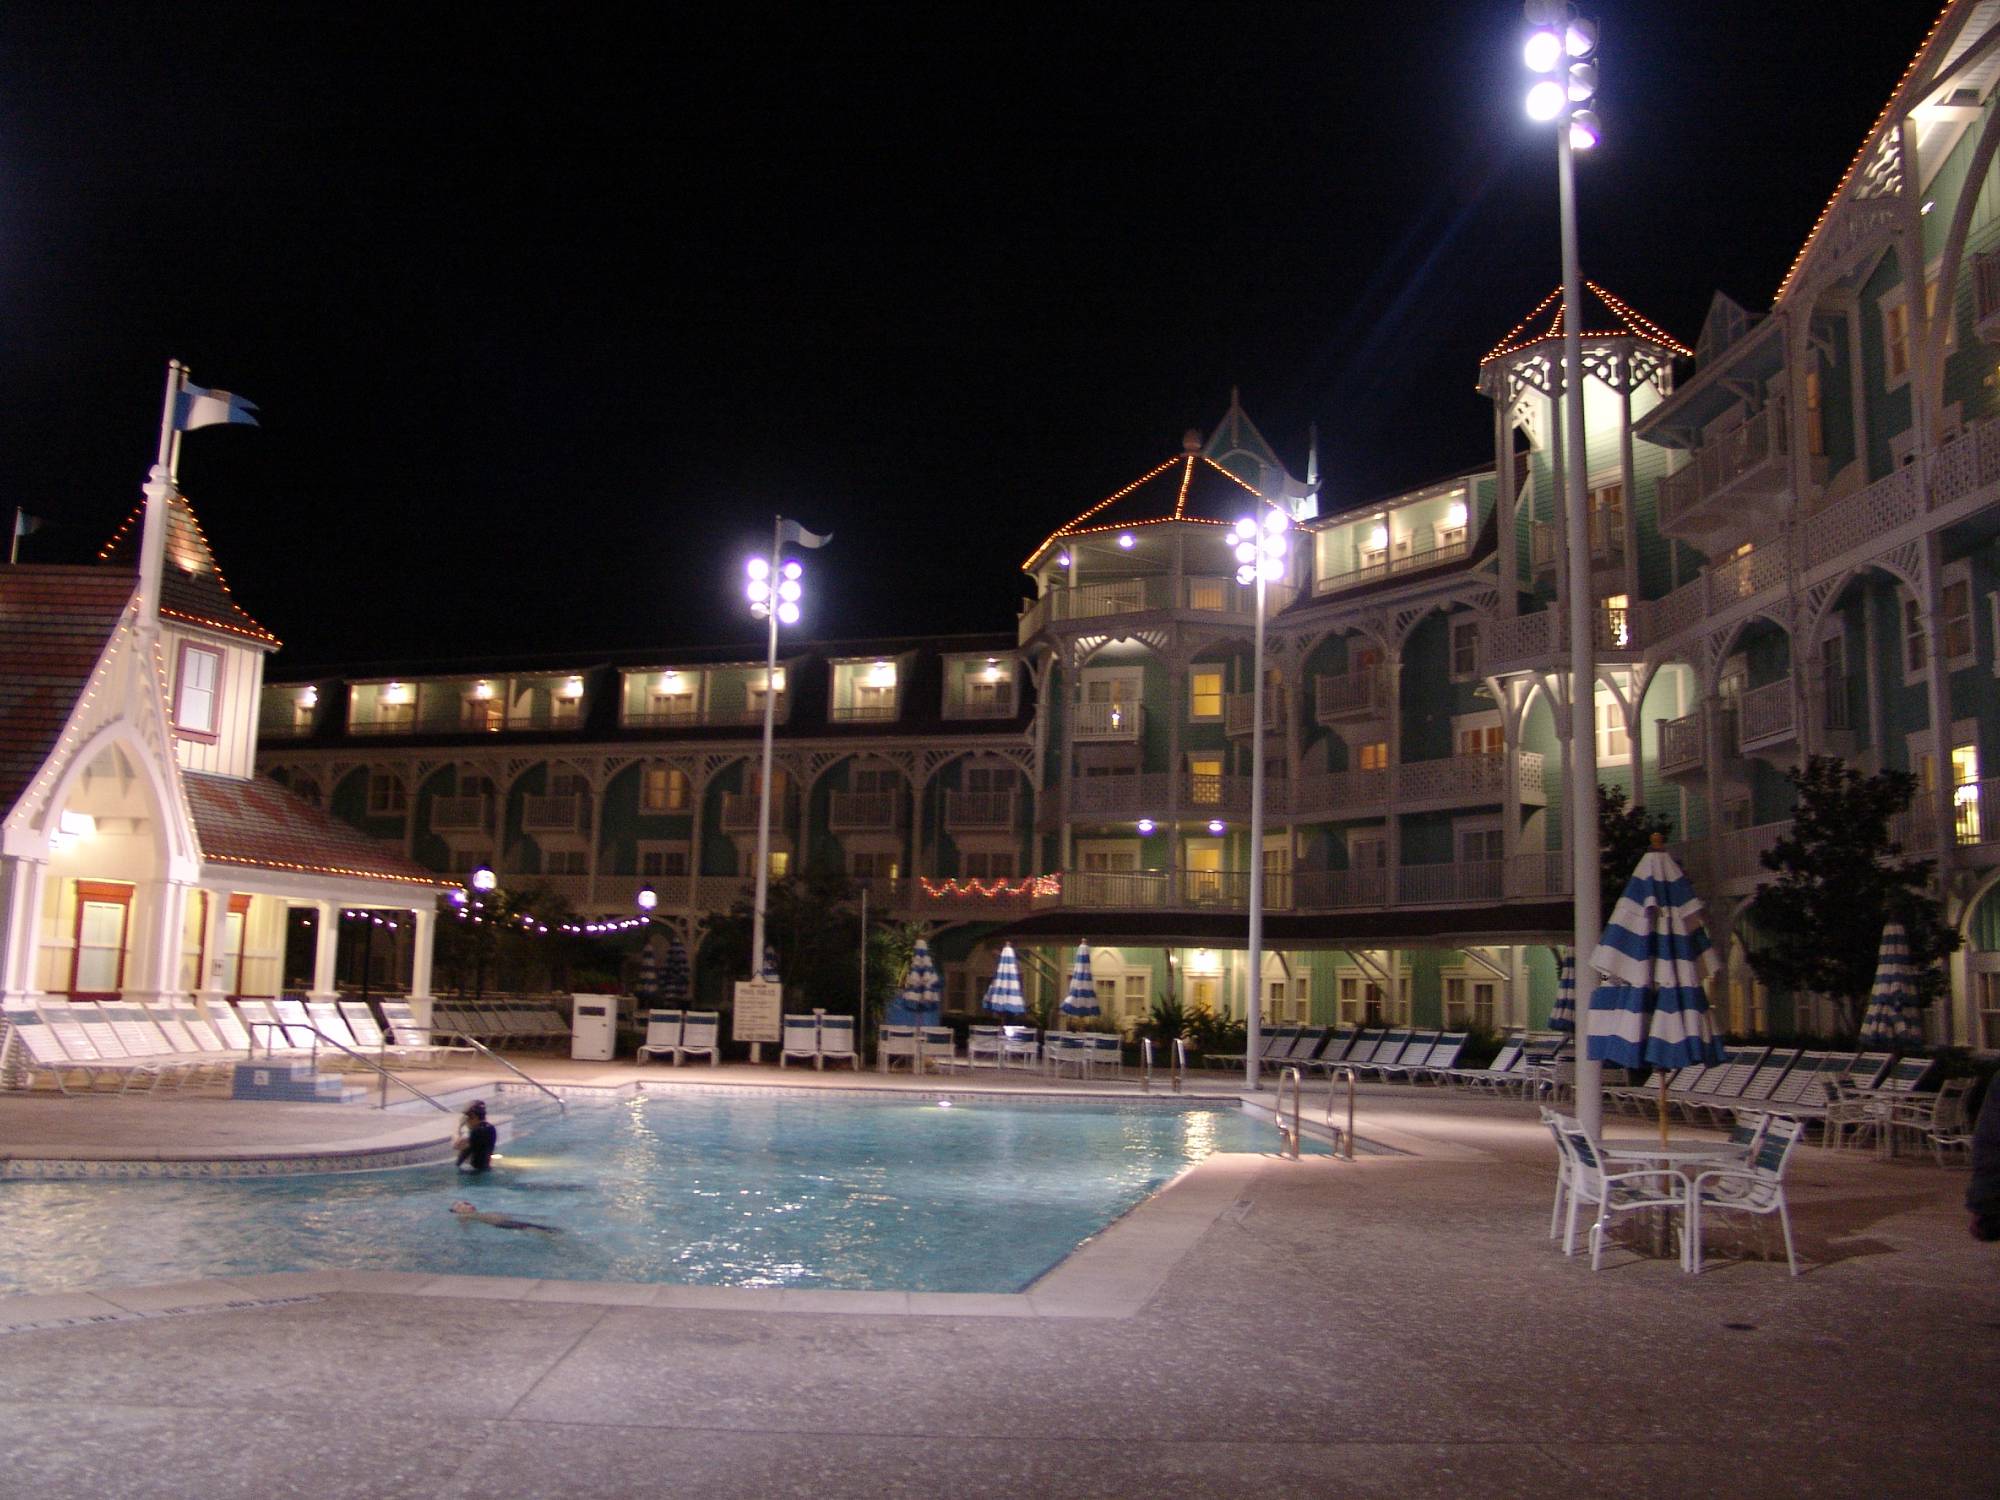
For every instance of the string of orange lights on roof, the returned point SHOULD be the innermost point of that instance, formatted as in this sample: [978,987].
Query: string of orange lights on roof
[306,869]
[185,511]
[1179,513]
[1187,478]
[1068,527]
[1636,325]
[1868,140]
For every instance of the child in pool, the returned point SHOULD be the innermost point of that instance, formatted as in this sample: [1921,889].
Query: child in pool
[469,1214]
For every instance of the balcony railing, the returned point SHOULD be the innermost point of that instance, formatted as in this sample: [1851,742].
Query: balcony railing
[1134,795]
[1461,779]
[472,814]
[970,812]
[677,716]
[1240,708]
[864,812]
[1206,794]
[1749,459]
[864,713]
[1681,746]
[1108,721]
[563,813]
[1331,793]
[739,811]
[1766,715]
[1199,594]
[1415,560]
[1536,638]
[1459,881]
[1607,539]
[1362,693]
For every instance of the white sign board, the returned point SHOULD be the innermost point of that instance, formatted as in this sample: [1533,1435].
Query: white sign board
[758,1005]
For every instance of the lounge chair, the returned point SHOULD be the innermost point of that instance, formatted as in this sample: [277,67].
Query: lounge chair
[1268,1045]
[373,1041]
[1300,1053]
[1496,1072]
[700,1037]
[801,1040]
[1334,1053]
[32,1047]
[836,1042]
[405,1031]
[1020,1046]
[939,1048]
[1066,1049]
[985,1047]
[893,1042]
[663,1034]
[1757,1187]
[84,1032]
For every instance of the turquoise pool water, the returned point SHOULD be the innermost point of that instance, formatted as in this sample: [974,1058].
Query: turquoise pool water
[748,1191]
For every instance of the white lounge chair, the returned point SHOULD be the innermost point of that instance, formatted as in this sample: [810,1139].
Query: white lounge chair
[836,1042]
[663,1034]
[801,1040]
[893,1042]
[699,1037]
[1020,1046]
[939,1048]
[985,1047]
[405,1031]
[32,1047]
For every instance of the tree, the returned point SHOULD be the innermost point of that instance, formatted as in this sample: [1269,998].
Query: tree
[1818,925]
[811,921]
[1624,834]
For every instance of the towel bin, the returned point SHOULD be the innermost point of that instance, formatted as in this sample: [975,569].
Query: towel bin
[593,1028]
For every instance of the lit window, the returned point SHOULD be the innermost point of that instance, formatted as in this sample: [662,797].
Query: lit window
[1205,695]
[1374,757]
[1613,743]
[196,707]
[662,789]
[1205,780]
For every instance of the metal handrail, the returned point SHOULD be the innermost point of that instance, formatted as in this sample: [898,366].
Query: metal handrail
[532,1083]
[1177,1072]
[1180,1062]
[1288,1137]
[1343,1139]
[382,1097]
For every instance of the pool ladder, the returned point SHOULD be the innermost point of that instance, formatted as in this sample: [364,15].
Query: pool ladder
[1289,1131]
[1178,1071]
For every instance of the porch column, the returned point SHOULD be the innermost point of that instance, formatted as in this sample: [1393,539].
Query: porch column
[423,950]
[1506,503]
[326,948]
[21,884]
[154,967]
[213,981]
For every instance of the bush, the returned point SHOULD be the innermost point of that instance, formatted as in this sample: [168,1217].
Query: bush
[1212,1034]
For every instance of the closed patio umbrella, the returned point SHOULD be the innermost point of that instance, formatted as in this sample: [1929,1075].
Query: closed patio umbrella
[1890,1019]
[921,1000]
[1080,999]
[1563,1017]
[1649,1008]
[1003,995]
[646,987]
[676,981]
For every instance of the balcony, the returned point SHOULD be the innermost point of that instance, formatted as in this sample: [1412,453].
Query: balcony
[1470,780]
[980,812]
[1607,540]
[739,811]
[1414,560]
[1339,794]
[565,812]
[1154,593]
[673,715]
[1239,709]
[1747,463]
[1108,723]
[864,812]
[1116,798]
[462,814]
[1682,746]
[1541,639]
[1206,795]
[1766,718]
[1460,881]
[1345,697]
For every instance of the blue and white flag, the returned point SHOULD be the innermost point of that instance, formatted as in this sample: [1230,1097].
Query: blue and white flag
[1563,1017]
[1651,1008]
[1892,1004]
[792,531]
[1003,995]
[195,406]
[1080,999]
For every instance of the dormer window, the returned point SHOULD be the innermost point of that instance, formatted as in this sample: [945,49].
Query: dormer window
[198,697]
[482,709]
[672,700]
[1451,530]
[865,690]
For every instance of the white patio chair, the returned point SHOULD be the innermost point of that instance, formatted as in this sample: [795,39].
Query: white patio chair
[1925,1115]
[836,1042]
[939,1048]
[663,1033]
[985,1047]
[1637,1190]
[1556,1122]
[893,1042]
[700,1037]
[1020,1046]
[800,1040]
[1758,1187]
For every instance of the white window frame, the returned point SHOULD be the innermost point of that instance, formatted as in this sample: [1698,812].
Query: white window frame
[1607,703]
[665,806]
[1221,675]
[664,850]
[1907,605]
[185,691]
[1464,724]
[1469,624]
[1959,573]
[1480,827]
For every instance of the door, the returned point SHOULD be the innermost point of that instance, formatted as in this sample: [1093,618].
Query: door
[1204,870]
[97,965]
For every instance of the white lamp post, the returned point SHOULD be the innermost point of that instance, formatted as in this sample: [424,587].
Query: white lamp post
[1561,49]
[1260,558]
[775,590]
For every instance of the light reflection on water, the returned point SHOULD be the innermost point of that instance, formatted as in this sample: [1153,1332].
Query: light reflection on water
[756,1192]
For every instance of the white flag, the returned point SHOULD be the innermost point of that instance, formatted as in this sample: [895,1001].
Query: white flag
[792,531]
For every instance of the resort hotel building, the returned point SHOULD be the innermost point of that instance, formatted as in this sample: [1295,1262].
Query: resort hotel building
[1792,551]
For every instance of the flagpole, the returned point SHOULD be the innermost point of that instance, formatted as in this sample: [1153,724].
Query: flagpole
[159,488]
[764,789]
[14,547]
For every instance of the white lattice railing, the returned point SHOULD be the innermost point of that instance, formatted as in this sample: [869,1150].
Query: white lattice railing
[854,811]
[1457,778]
[980,809]
[1766,714]
[1522,638]
[1755,447]
[1128,796]
[1332,792]
[461,814]
[1681,743]
[561,813]
[1363,691]
[1239,710]
[1108,721]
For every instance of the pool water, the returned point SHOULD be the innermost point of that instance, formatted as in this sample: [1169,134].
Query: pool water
[745,1191]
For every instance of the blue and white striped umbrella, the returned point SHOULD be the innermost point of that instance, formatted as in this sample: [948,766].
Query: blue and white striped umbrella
[1563,1017]
[1080,999]
[646,988]
[676,981]
[921,1001]
[1003,995]
[1650,1008]
[1892,1004]
[770,974]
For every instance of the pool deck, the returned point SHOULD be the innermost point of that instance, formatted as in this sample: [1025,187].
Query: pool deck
[1393,1326]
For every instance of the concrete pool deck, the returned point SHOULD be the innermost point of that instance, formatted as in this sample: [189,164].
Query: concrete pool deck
[1392,1326]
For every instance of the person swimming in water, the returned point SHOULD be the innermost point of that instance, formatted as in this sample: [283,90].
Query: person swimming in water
[476,1139]
[468,1213]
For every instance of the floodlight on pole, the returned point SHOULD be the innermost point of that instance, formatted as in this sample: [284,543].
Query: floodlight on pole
[1577,130]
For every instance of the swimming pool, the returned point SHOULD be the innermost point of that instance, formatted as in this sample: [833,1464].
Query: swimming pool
[804,1190]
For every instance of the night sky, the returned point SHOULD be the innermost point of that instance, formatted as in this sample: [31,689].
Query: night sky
[548,310]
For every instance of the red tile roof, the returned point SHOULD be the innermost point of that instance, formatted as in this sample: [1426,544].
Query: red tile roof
[258,822]
[54,622]
[191,586]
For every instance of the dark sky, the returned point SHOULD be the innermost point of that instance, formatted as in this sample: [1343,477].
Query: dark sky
[548,310]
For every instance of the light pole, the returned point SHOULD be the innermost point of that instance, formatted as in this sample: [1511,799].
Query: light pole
[1260,557]
[1561,48]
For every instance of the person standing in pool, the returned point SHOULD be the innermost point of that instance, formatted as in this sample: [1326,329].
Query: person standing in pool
[477,1138]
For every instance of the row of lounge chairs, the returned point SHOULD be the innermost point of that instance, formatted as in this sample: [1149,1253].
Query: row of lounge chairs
[92,1046]
[509,1024]
[1764,1080]
[675,1034]
[1405,1054]
[819,1040]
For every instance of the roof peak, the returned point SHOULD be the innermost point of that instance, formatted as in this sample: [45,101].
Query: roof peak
[192,588]
[1603,316]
